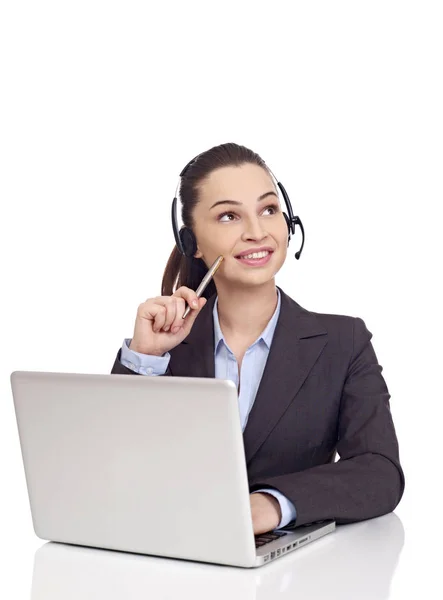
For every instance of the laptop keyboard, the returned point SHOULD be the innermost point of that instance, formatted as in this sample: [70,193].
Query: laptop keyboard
[265,538]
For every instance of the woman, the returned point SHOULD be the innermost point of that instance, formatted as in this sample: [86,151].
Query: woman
[309,383]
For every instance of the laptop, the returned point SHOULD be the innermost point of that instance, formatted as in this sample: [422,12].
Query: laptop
[149,465]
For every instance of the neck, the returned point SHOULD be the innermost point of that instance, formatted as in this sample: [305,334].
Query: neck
[245,312]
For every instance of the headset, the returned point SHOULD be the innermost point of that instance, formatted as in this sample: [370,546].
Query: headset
[185,238]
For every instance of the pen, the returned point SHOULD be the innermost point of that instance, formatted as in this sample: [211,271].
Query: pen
[206,279]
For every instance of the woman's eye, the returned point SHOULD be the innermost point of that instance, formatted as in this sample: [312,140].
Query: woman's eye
[272,207]
[230,214]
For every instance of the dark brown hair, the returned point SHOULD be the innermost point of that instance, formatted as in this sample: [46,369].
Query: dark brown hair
[189,271]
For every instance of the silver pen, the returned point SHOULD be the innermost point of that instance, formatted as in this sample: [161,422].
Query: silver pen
[206,279]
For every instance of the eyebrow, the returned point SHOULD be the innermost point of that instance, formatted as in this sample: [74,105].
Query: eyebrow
[236,203]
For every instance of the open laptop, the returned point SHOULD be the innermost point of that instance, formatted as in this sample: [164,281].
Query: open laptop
[151,465]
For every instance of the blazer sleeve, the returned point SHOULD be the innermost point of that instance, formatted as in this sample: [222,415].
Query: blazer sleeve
[368,480]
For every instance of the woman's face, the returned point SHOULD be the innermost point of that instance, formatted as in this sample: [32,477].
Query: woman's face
[239,211]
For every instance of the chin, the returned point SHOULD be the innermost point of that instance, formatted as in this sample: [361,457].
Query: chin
[253,279]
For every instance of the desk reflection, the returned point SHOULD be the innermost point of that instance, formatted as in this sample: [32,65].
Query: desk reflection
[356,561]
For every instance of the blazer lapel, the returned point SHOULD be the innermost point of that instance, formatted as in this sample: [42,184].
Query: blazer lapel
[298,341]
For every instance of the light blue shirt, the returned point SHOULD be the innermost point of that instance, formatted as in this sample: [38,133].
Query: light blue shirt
[226,367]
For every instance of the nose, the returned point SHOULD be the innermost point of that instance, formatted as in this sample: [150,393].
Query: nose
[254,230]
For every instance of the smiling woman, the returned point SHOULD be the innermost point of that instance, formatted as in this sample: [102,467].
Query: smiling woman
[225,173]
[254,225]
[308,380]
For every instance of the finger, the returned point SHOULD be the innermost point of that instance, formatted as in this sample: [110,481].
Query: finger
[159,319]
[181,307]
[190,319]
[189,295]
[188,322]
[171,312]
[152,306]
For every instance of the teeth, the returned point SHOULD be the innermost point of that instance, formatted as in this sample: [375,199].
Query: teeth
[257,254]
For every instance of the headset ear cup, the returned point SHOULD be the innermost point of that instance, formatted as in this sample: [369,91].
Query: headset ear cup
[189,242]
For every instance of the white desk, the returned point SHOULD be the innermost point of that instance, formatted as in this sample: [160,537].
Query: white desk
[357,562]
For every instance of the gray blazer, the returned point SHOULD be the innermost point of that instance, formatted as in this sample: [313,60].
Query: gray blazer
[322,393]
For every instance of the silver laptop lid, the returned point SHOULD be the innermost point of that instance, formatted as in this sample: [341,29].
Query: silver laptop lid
[144,464]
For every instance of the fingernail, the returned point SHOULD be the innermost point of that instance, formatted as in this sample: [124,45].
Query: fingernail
[175,329]
[166,328]
[194,303]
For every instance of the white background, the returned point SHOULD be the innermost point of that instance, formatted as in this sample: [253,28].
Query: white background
[103,103]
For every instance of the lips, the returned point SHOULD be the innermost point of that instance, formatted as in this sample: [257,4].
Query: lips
[254,250]
[255,262]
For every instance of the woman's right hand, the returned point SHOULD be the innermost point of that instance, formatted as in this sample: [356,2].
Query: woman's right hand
[159,325]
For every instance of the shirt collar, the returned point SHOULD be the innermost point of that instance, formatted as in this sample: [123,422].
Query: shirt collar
[266,335]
